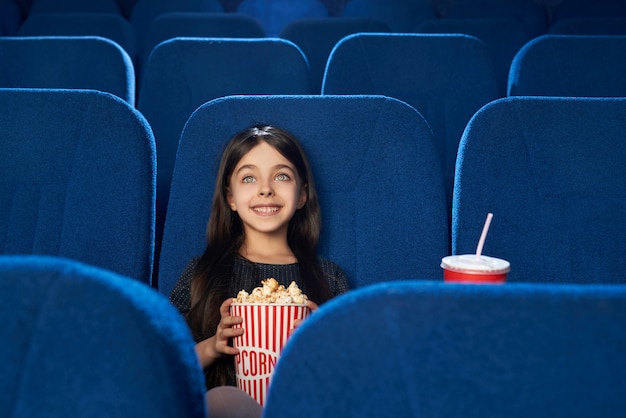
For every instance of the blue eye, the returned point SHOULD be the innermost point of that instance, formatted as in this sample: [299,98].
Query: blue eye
[248,179]
[283,177]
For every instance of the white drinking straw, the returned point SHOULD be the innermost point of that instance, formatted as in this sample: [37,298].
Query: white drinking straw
[483,235]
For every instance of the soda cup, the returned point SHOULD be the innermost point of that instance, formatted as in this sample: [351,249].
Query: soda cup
[472,268]
[267,327]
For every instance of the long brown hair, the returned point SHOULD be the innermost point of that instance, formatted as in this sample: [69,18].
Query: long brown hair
[225,236]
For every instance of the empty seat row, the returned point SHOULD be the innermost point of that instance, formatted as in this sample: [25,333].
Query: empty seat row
[445,77]
[400,15]
[79,182]
[503,36]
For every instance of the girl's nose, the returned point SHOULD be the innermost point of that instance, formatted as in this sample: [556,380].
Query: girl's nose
[265,191]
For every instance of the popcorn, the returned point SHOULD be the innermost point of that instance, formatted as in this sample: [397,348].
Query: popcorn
[272,292]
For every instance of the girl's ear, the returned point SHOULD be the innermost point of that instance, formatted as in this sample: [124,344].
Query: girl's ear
[230,200]
[303,196]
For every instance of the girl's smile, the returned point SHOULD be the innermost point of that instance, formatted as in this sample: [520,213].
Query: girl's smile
[265,210]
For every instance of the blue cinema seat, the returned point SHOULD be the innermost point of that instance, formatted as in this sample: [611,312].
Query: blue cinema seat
[502,36]
[446,77]
[317,38]
[184,73]
[74,6]
[376,171]
[81,341]
[532,14]
[570,65]
[274,15]
[431,349]
[565,9]
[399,15]
[589,26]
[78,179]
[10,18]
[107,25]
[552,172]
[146,11]
[200,25]
[67,62]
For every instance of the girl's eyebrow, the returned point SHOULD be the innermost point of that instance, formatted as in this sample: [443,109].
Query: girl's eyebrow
[281,166]
[245,167]
[276,167]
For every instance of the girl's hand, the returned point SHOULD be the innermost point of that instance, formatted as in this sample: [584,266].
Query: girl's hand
[217,346]
[312,307]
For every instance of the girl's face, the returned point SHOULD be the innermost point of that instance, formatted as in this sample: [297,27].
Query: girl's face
[265,190]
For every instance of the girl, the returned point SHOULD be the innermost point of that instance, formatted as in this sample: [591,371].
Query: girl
[265,222]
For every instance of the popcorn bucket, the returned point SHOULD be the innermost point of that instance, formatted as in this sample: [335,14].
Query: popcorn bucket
[267,328]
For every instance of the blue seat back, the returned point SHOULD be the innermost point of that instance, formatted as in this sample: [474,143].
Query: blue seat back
[581,8]
[552,172]
[184,73]
[589,26]
[317,38]
[376,224]
[107,25]
[198,24]
[146,11]
[570,65]
[399,15]
[446,77]
[533,15]
[78,179]
[413,349]
[73,6]
[274,15]
[80,340]
[67,62]
[502,36]
[10,18]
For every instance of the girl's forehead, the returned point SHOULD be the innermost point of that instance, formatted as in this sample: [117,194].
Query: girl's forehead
[263,155]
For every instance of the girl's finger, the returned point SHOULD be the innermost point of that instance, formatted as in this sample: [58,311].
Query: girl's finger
[225,307]
[312,305]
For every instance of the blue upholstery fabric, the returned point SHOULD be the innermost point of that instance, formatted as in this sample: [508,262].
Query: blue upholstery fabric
[589,26]
[184,73]
[530,13]
[146,11]
[82,341]
[447,78]
[584,8]
[196,24]
[317,38]
[399,15]
[552,172]
[74,6]
[107,25]
[10,18]
[502,36]
[67,62]
[570,65]
[375,168]
[430,349]
[274,15]
[77,172]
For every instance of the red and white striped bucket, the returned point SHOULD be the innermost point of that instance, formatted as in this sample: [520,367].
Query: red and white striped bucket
[267,328]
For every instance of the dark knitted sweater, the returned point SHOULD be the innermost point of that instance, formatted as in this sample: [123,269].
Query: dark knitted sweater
[248,275]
